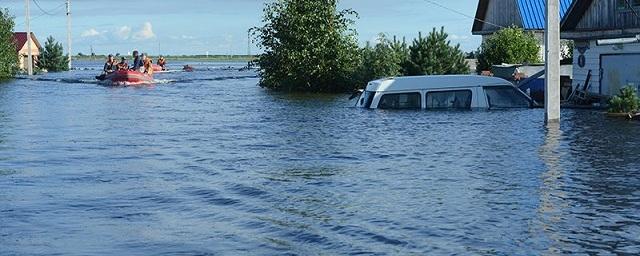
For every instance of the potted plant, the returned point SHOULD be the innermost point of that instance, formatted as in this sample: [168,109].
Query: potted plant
[625,104]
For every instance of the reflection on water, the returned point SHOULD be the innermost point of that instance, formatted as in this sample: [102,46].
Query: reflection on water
[211,163]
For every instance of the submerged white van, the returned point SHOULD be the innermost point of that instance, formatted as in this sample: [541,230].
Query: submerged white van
[443,92]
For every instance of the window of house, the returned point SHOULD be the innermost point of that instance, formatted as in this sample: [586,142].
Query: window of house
[624,4]
[400,101]
[506,97]
[460,99]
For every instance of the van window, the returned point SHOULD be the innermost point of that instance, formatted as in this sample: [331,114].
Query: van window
[506,97]
[460,99]
[368,99]
[400,101]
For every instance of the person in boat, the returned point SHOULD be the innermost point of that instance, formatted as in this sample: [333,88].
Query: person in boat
[137,61]
[148,65]
[123,65]
[162,63]
[110,65]
[108,68]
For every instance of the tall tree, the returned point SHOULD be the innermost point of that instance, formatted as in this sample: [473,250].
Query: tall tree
[308,46]
[434,55]
[53,59]
[509,45]
[8,53]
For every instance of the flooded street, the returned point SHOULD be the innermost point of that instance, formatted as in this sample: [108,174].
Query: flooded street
[209,163]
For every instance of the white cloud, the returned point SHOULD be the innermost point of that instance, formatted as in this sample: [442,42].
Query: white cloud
[459,37]
[90,33]
[146,32]
[122,33]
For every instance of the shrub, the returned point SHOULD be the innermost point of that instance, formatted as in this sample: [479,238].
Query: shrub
[625,102]
[509,45]
[53,59]
[308,46]
[8,54]
[434,55]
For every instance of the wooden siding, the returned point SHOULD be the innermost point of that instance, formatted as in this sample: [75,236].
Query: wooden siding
[501,12]
[605,15]
[592,57]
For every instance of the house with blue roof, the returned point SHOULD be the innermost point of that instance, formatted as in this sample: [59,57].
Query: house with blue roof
[492,15]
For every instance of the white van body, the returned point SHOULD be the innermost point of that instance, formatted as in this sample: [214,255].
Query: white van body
[443,92]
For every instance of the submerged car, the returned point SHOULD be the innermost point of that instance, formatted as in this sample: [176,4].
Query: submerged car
[443,92]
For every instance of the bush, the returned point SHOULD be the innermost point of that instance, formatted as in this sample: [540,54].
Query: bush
[625,102]
[308,46]
[53,59]
[385,59]
[8,54]
[509,45]
[434,55]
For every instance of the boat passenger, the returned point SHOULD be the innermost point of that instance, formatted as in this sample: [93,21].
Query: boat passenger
[137,61]
[148,65]
[110,65]
[162,63]
[123,65]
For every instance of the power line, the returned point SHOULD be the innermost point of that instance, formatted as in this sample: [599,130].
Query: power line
[41,15]
[631,8]
[463,14]
[41,9]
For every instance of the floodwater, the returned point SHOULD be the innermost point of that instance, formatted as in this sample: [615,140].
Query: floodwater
[209,163]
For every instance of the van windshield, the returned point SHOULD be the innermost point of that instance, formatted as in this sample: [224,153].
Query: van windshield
[506,97]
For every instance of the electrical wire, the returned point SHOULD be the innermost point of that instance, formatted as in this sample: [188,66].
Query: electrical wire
[53,12]
[41,9]
[463,14]
[632,9]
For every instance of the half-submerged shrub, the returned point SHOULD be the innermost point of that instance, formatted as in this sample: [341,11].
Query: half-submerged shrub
[625,102]
[53,59]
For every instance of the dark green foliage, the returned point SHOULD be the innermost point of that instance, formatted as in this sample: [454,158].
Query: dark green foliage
[385,59]
[8,53]
[509,45]
[625,102]
[434,55]
[308,46]
[53,58]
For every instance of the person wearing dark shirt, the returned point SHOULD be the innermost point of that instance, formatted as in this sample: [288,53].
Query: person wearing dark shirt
[137,61]
[110,65]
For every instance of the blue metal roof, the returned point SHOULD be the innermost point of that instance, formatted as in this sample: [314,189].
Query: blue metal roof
[533,12]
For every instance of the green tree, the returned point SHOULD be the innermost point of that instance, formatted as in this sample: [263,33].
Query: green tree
[53,59]
[8,53]
[434,55]
[509,45]
[308,46]
[385,59]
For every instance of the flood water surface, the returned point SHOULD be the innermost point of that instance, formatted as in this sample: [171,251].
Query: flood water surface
[209,163]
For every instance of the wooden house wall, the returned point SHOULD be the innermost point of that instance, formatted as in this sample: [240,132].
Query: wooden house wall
[502,12]
[604,14]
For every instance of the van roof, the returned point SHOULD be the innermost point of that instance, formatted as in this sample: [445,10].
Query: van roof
[408,83]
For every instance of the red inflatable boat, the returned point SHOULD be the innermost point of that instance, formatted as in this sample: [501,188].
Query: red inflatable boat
[128,77]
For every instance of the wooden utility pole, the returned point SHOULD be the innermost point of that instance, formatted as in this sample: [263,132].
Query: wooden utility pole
[69,32]
[552,65]
[29,54]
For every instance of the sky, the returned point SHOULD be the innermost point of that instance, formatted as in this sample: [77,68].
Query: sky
[172,27]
